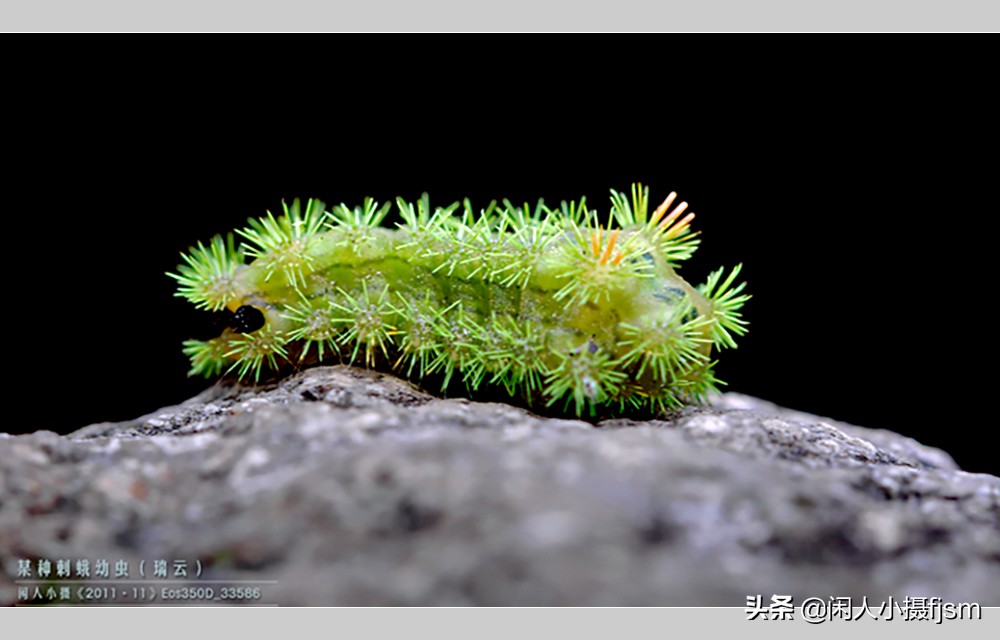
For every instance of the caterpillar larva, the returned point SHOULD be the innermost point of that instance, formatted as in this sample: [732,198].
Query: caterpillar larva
[554,305]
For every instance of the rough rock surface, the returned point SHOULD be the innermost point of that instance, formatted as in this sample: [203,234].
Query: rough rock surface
[344,487]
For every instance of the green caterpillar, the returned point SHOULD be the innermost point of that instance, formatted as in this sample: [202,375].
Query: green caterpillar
[552,305]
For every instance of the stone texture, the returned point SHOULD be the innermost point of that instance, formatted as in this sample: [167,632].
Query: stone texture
[346,487]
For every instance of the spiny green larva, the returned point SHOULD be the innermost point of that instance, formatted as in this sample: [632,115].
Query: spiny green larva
[553,305]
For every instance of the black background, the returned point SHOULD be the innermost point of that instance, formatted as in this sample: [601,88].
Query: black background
[857,191]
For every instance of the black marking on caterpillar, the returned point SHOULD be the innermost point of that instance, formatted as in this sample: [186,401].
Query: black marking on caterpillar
[551,305]
[248,319]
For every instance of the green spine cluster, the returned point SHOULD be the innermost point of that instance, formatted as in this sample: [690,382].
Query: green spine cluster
[553,305]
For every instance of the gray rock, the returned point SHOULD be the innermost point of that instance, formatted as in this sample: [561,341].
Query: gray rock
[342,486]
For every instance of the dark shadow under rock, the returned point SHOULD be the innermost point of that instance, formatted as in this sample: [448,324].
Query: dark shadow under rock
[340,486]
